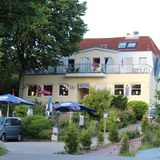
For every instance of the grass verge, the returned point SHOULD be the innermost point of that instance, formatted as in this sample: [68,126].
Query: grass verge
[3,151]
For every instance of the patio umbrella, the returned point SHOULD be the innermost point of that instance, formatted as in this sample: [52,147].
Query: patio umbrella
[11,99]
[44,92]
[71,106]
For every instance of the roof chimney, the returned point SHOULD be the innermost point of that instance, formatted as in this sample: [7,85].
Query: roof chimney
[135,35]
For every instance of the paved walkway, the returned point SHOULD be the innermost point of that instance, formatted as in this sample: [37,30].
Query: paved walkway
[45,150]
[40,150]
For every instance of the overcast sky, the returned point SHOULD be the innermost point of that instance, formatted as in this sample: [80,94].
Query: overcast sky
[116,18]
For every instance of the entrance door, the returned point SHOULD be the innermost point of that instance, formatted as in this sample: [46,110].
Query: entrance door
[83,92]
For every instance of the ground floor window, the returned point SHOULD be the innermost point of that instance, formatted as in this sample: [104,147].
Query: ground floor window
[48,88]
[63,90]
[83,92]
[119,89]
[136,89]
[32,90]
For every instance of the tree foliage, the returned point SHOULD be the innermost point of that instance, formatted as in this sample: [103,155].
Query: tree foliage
[13,13]
[37,34]
[99,100]
[139,108]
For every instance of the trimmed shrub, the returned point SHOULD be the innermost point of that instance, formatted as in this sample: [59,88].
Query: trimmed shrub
[71,139]
[146,125]
[131,116]
[62,125]
[100,138]
[152,138]
[112,118]
[45,134]
[119,102]
[38,125]
[92,128]
[85,139]
[33,125]
[133,134]
[113,134]
[26,122]
[38,110]
[124,119]
[21,110]
[125,146]
[139,108]
[99,129]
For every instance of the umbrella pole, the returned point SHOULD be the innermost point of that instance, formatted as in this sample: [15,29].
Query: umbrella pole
[8,110]
[70,116]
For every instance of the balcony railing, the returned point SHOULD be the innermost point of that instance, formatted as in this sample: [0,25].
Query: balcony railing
[96,68]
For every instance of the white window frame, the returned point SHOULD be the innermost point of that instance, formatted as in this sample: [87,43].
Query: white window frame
[120,92]
[34,94]
[49,91]
[122,45]
[138,91]
[59,90]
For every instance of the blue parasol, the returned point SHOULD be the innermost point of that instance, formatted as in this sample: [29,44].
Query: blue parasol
[11,99]
[71,106]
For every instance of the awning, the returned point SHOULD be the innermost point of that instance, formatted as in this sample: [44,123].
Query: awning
[83,85]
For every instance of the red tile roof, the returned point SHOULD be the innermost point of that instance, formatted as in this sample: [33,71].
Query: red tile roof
[144,43]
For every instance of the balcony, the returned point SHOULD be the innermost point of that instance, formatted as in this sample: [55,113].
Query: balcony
[96,70]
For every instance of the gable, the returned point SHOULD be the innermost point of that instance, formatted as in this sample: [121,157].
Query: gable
[95,53]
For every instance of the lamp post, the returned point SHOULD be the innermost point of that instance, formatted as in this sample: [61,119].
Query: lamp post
[105,115]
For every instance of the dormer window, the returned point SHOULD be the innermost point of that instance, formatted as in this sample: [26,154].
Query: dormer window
[131,45]
[122,45]
[127,45]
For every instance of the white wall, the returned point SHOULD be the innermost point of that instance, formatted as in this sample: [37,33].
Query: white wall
[135,56]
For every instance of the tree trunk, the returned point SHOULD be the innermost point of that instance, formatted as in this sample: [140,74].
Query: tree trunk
[21,84]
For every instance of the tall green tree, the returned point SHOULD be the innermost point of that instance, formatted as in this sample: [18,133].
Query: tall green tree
[41,38]
[12,14]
